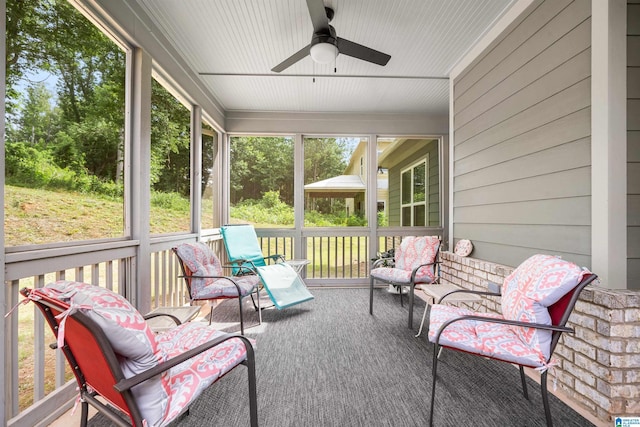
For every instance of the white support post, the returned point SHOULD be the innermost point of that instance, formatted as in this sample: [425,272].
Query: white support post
[4,365]
[224,175]
[196,169]
[137,174]
[372,194]
[450,167]
[217,191]
[443,162]
[609,142]
[299,249]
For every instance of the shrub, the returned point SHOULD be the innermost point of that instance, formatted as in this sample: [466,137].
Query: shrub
[171,201]
[383,221]
[28,166]
[268,210]
[356,221]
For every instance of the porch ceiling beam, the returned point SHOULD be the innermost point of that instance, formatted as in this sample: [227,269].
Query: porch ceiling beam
[343,76]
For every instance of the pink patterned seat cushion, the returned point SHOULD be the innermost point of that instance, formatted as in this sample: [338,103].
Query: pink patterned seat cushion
[489,339]
[537,283]
[201,261]
[161,398]
[185,382]
[412,252]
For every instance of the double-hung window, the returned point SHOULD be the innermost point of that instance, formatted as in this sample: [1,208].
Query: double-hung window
[413,190]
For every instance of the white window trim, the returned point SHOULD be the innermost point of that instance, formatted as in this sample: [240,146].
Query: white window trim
[412,204]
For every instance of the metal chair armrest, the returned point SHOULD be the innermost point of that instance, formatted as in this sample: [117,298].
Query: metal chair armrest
[229,278]
[378,262]
[415,270]
[240,264]
[153,315]
[275,257]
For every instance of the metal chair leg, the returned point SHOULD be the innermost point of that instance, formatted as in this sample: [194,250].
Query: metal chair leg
[411,300]
[259,309]
[371,295]
[433,384]
[524,383]
[253,400]
[545,398]
[241,319]
[84,405]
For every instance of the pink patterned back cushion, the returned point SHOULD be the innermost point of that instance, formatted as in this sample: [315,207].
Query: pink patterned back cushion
[126,329]
[537,283]
[417,250]
[201,261]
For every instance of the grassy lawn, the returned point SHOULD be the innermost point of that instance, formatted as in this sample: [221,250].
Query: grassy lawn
[34,216]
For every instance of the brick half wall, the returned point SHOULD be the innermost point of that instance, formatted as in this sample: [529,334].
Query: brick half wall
[599,365]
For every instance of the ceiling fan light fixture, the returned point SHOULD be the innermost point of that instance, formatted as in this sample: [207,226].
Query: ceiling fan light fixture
[323,53]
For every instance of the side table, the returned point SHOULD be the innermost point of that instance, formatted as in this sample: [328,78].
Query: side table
[298,264]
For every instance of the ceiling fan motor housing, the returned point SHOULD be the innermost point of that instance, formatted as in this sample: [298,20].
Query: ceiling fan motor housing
[322,37]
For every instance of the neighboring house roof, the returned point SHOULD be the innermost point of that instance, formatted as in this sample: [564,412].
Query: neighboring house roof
[340,186]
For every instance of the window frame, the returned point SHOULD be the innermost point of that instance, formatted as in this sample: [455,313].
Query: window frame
[412,204]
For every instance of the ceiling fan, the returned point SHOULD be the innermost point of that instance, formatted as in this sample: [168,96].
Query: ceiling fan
[325,45]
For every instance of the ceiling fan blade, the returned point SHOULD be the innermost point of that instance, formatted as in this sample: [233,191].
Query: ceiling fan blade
[292,59]
[318,16]
[349,48]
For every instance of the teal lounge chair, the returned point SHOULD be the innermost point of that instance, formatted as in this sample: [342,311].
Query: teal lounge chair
[283,285]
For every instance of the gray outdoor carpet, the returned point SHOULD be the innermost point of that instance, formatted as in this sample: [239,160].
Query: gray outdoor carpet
[329,363]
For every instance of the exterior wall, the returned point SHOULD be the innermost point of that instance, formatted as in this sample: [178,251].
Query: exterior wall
[357,204]
[599,364]
[521,143]
[633,144]
[430,150]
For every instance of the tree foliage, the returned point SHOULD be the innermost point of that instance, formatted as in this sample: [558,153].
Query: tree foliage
[81,125]
[323,158]
[261,164]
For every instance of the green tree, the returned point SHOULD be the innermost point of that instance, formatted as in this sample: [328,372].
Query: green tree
[261,164]
[23,51]
[88,125]
[170,142]
[323,158]
[38,119]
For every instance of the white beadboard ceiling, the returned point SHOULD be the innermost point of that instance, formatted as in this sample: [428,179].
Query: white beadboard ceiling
[233,44]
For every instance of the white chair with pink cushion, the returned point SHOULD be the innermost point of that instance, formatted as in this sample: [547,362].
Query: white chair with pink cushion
[415,262]
[537,299]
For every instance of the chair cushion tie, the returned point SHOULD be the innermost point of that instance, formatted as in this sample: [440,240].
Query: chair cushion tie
[73,307]
[551,367]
